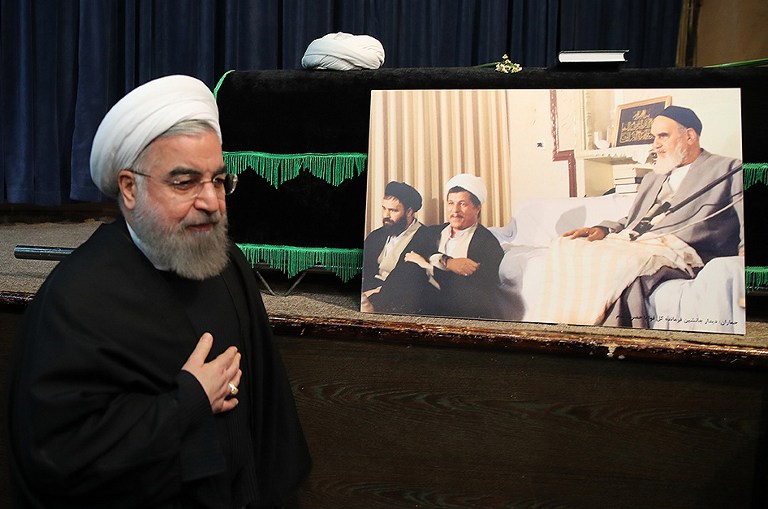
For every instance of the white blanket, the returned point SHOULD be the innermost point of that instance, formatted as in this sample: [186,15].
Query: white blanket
[583,279]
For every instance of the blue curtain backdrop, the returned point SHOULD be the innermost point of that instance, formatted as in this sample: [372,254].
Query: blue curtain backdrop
[65,62]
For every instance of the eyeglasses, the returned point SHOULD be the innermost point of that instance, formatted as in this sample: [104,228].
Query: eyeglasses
[190,186]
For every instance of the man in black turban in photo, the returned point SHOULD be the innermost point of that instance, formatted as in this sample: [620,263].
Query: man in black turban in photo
[692,194]
[385,248]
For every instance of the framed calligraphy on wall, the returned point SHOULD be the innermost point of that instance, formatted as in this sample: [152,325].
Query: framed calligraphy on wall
[633,121]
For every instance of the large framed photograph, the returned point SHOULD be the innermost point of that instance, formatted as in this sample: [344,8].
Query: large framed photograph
[633,125]
[495,204]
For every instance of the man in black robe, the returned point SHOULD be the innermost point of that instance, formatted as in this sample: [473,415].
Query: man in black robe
[145,374]
[460,275]
[386,276]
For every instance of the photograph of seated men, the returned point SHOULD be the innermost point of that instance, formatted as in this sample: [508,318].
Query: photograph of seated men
[569,242]
[687,211]
[453,268]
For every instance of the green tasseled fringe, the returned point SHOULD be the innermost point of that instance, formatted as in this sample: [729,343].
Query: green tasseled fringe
[291,260]
[347,263]
[337,167]
[754,173]
[757,278]
[278,168]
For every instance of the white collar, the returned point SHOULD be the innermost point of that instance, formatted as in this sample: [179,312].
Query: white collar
[456,234]
[677,175]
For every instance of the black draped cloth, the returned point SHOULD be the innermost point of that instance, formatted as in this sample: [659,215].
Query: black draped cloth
[299,111]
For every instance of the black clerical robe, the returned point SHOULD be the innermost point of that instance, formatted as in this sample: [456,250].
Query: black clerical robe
[398,293]
[476,295]
[408,289]
[101,414]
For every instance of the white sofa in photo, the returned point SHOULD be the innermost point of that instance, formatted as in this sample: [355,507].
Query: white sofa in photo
[711,302]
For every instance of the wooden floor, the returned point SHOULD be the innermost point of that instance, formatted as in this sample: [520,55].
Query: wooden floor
[405,427]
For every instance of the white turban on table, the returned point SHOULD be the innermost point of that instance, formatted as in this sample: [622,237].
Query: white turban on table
[343,52]
[471,183]
[141,116]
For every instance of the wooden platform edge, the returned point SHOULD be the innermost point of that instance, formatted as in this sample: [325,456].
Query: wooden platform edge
[595,344]
[586,344]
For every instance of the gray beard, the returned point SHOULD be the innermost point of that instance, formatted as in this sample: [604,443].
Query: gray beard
[192,255]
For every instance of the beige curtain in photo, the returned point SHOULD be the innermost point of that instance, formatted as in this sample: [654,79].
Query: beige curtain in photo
[424,137]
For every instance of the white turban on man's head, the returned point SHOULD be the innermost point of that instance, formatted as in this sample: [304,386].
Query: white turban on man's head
[343,52]
[141,116]
[471,183]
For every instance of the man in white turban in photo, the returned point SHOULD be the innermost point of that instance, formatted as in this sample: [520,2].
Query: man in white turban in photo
[145,373]
[464,263]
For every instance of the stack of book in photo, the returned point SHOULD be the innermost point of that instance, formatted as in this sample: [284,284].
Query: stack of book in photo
[626,178]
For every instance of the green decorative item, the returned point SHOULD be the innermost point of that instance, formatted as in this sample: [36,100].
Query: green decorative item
[220,82]
[743,63]
[756,278]
[754,173]
[278,168]
[292,260]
